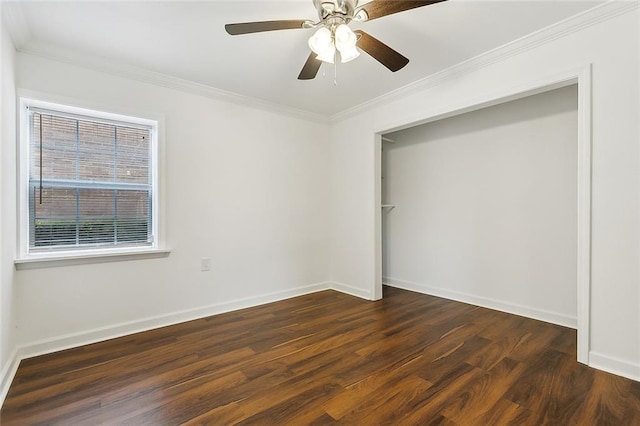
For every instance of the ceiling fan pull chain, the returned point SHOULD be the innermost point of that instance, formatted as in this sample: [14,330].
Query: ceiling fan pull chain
[335,69]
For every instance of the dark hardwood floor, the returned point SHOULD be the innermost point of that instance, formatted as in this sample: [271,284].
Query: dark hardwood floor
[328,358]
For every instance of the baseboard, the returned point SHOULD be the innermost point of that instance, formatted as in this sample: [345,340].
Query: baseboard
[8,373]
[485,302]
[118,330]
[126,328]
[354,291]
[596,360]
[614,366]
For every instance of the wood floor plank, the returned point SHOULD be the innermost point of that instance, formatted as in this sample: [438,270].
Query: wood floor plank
[473,403]
[505,412]
[328,358]
[610,399]
[362,393]
[430,403]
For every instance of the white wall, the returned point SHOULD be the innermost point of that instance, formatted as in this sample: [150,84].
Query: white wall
[7,210]
[611,46]
[486,207]
[244,186]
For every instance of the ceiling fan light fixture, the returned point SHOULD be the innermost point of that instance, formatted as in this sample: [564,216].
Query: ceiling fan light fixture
[344,37]
[322,41]
[328,55]
[345,40]
[348,53]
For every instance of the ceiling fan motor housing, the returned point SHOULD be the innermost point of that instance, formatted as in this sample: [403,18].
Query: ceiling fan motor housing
[327,8]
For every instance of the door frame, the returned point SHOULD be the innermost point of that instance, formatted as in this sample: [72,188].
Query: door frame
[580,76]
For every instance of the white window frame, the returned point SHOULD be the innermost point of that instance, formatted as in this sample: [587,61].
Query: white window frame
[79,255]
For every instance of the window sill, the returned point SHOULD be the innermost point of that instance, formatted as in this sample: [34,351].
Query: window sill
[52,261]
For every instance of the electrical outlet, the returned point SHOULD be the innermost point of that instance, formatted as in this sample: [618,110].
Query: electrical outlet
[205,264]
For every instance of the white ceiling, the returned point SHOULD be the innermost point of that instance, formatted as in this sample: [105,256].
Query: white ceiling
[187,40]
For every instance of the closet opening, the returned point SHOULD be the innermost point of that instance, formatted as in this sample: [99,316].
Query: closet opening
[491,206]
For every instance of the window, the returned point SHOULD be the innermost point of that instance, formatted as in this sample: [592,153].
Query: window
[89,180]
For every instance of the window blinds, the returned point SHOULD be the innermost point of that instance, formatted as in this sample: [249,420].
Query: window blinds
[90,182]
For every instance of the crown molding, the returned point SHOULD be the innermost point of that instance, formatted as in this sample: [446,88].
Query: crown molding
[588,18]
[151,77]
[19,31]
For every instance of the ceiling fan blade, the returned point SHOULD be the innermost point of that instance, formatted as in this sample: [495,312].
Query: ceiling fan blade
[381,52]
[310,68]
[258,27]
[379,8]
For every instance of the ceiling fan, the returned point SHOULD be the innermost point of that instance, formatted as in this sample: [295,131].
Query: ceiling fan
[333,34]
